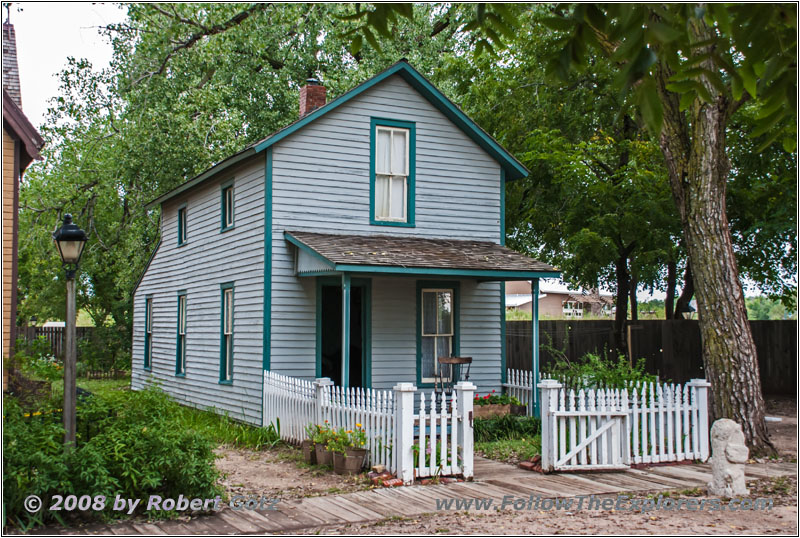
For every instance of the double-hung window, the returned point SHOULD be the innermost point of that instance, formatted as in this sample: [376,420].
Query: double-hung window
[227,207]
[393,172]
[148,333]
[180,353]
[226,345]
[182,222]
[438,329]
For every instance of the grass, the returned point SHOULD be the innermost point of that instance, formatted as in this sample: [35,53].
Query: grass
[102,387]
[228,431]
[510,449]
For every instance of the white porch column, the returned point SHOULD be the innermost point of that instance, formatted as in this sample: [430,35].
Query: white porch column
[404,430]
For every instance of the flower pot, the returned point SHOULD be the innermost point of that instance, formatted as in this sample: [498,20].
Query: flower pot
[518,410]
[346,464]
[309,452]
[490,410]
[324,456]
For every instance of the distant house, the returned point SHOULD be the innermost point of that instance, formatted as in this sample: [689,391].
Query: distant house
[21,145]
[360,243]
[557,300]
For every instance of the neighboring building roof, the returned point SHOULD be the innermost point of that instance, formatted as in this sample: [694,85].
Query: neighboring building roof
[10,67]
[416,255]
[590,299]
[514,300]
[16,121]
[512,167]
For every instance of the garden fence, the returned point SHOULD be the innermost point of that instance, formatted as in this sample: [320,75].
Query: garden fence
[435,440]
[592,429]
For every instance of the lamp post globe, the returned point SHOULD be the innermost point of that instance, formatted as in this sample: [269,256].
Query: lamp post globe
[70,240]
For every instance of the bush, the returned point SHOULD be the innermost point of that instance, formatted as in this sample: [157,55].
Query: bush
[135,448]
[505,427]
[592,371]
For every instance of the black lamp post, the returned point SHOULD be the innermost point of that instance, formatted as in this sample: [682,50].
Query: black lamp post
[70,240]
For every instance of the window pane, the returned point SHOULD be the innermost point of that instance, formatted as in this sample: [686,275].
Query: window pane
[148,312]
[428,354]
[182,315]
[443,346]
[428,312]
[383,152]
[381,196]
[229,206]
[229,357]
[398,198]
[399,152]
[445,305]
[228,312]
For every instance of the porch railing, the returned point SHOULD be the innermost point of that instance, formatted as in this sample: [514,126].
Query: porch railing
[435,440]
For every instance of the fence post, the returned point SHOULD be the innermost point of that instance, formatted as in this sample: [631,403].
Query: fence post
[465,392]
[319,389]
[549,392]
[404,430]
[702,414]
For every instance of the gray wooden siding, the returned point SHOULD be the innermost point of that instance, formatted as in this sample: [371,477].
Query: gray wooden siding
[208,259]
[321,183]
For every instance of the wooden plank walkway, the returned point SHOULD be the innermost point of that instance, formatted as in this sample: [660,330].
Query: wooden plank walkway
[493,480]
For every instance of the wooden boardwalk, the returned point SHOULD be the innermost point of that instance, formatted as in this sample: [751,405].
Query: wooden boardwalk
[492,480]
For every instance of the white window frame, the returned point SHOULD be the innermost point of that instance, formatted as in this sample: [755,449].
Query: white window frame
[392,177]
[435,336]
[227,331]
[227,195]
[181,366]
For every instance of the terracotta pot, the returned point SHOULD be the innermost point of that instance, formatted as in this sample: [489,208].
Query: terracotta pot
[344,464]
[324,456]
[309,452]
[490,410]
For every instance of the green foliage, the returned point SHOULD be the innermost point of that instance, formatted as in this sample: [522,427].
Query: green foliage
[226,431]
[506,427]
[135,447]
[510,450]
[593,371]
[518,315]
[105,348]
[763,308]
[37,360]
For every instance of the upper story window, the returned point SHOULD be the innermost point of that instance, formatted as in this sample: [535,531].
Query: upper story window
[182,225]
[392,177]
[227,207]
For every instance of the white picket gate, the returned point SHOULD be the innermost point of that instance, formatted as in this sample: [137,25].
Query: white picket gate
[388,417]
[606,429]
[519,383]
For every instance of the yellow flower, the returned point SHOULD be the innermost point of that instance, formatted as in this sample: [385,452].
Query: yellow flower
[358,425]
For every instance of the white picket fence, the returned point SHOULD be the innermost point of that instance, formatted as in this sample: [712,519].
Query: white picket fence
[610,429]
[519,383]
[437,440]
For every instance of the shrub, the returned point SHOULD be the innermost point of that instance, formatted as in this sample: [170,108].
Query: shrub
[592,371]
[505,427]
[136,448]
[494,398]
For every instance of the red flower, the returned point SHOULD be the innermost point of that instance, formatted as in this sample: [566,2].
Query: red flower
[486,397]
[493,392]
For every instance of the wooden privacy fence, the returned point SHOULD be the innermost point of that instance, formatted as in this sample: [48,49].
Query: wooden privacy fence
[601,429]
[54,336]
[671,348]
[413,436]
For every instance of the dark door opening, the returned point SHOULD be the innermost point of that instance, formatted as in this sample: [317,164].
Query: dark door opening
[331,333]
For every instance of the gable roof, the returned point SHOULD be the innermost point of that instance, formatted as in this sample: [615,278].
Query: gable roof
[15,120]
[511,166]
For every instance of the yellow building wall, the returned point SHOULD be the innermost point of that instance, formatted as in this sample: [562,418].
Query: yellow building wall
[8,239]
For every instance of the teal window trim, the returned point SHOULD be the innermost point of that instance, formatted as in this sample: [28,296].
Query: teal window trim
[226,362]
[227,214]
[148,333]
[180,339]
[412,165]
[183,225]
[455,285]
[366,322]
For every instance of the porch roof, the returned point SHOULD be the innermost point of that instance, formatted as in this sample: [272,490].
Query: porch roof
[332,253]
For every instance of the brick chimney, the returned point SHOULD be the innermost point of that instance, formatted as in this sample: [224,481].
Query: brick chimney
[312,96]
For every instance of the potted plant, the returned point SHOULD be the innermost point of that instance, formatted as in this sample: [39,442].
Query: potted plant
[321,440]
[309,452]
[350,450]
[493,404]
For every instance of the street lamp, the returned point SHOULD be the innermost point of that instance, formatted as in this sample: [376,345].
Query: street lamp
[70,240]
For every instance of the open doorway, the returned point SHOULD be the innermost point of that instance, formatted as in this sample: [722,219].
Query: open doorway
[329,338]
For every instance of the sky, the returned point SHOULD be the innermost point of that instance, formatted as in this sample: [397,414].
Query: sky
[47,34]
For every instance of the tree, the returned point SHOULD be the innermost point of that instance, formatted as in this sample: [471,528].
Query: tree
[689,68]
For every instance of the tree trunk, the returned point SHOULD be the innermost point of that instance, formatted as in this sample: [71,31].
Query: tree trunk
[634,301]
[694,150]
[686,294]
[669,302]
[621,317]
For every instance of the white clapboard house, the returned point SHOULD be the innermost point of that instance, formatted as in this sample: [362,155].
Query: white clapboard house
[360,243]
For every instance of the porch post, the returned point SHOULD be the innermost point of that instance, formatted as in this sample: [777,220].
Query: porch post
[345,329]
[535,401]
